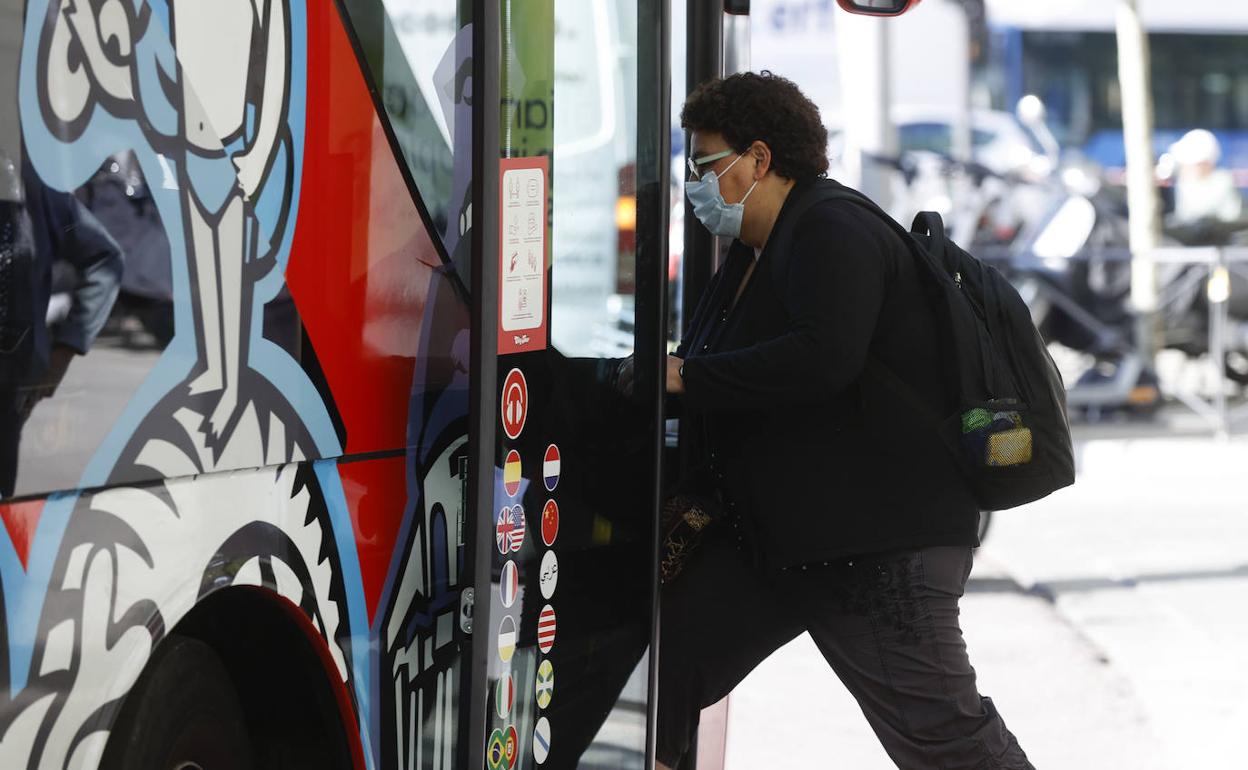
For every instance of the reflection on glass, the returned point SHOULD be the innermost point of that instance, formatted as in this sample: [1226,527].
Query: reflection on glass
[81,272]
[60,274]
[568,638]
[594,177]
[152,173]
[420,55]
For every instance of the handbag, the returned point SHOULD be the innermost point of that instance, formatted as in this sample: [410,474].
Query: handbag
[684,520]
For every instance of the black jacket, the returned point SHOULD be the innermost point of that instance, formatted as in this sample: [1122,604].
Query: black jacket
[772,404]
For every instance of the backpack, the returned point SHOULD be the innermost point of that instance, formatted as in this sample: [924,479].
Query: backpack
[1009,435]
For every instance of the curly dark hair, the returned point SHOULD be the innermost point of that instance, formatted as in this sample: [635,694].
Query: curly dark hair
[750,106]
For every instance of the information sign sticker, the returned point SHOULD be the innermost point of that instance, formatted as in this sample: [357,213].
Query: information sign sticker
[522,280]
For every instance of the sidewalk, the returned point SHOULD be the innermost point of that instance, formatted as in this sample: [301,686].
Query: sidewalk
[1067,706]
[1108,623]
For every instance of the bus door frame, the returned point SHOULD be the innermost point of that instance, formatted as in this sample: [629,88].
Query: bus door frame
[653,191]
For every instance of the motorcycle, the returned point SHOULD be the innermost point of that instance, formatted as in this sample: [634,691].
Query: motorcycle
[1074,270]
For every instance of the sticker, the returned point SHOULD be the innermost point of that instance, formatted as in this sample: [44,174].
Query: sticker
[541,740]
[511,746]
[495,753]
[514,409]
[505,695]
[545,629]
[509,583]
[507,638]
[550,468]
[509,530]
[545,684]
[511,473]
[522,255]
[549,576]
[550,522]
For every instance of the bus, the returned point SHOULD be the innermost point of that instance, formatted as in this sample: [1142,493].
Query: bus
[308,455]
[1065,52]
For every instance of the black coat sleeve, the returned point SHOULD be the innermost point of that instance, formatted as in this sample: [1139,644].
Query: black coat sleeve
[832,286]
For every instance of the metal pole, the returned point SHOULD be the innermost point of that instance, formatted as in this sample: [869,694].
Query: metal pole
[704,46]
[654,152]
[736,36]
[1144,213]
[483,383]
[1218,293]
[866,83]
[960,141]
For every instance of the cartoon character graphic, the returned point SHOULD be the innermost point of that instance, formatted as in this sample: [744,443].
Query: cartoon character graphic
[210,97]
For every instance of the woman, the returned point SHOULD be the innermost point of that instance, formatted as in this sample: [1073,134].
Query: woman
[861,538]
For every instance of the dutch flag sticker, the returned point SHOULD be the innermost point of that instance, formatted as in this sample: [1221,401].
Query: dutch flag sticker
[550,467]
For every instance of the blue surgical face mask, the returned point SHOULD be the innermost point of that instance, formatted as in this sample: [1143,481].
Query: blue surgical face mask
[716,214]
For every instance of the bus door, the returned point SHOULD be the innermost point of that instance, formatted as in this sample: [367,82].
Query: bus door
[568,277]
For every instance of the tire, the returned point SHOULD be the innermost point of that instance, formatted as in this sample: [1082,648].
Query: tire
[1236,367]
[182,714]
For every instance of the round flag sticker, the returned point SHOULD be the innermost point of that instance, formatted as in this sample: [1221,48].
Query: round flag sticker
[512,473]
[545,684]
[495,753]
[507,637]
[541,740]
[509,529]
[550,468]
[509,583]
[505,695]
[549,575]
[511,746]
[515,403]
[550,522]
[545,630]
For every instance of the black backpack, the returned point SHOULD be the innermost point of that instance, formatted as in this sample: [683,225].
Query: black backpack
[1010,435]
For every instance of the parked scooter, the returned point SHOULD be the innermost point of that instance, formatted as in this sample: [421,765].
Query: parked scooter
[1074,270]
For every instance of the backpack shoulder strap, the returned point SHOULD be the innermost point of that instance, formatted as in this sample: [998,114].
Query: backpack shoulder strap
[806,196]
[934,256]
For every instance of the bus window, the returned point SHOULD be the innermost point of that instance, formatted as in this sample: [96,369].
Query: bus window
[1198,81]
[569,619]
[419,57]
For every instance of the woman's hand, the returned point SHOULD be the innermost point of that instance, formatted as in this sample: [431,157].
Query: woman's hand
[675,383]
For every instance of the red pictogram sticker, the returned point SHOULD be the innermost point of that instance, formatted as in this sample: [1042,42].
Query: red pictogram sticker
[515,403]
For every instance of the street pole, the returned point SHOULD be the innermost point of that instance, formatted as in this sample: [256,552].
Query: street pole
[866,83]
[960,141]
[1144,222]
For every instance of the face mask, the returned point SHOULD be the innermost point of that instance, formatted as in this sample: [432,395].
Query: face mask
[716,214]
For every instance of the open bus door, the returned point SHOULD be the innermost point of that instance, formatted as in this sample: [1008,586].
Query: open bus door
[564,465]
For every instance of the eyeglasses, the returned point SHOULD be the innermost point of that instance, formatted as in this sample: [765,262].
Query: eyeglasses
[696,163]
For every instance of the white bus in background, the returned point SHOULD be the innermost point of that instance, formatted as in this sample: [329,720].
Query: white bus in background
[1065,52]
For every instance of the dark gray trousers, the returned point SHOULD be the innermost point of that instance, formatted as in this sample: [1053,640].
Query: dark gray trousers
[887,624]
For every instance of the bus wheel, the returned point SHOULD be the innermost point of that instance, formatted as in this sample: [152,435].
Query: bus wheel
[182,714]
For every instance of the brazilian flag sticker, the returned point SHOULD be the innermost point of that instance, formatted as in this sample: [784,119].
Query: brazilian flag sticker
[495,754]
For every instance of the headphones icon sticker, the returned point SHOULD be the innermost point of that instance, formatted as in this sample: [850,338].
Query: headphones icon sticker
[515,403]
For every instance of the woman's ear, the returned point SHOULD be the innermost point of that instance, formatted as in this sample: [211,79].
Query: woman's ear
[761,154]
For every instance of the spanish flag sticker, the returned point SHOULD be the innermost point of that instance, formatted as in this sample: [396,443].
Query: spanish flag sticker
[511,473]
